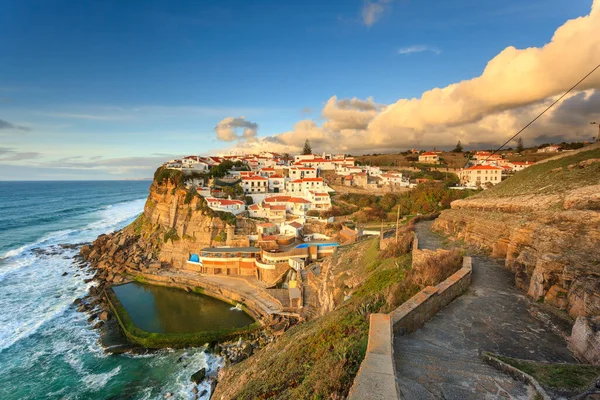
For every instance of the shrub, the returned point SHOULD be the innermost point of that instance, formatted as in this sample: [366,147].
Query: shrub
[171,235]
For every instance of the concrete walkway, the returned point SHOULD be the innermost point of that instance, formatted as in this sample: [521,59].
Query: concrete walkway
[442,359]
[249,288]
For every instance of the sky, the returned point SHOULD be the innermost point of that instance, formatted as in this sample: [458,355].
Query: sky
[110,89]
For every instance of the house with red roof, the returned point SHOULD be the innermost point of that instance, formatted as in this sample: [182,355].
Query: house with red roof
[227,205]
[480,175]
[255,184]
[429,157]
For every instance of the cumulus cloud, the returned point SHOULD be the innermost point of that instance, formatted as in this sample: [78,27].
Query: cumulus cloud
[372,11]
[418,48]
[228,129]
[514,87]
[7,125]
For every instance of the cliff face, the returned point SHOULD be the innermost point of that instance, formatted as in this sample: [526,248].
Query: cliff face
[173,225]
[546,222]
[171,214]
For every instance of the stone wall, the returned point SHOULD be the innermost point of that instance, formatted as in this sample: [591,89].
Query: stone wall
[412,314]
[376,378]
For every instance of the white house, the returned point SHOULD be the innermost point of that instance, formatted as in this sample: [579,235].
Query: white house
[479,175]
[391,178]
[429,157]
[276,183]
[291,229]
[319,200]
[227,205]
[255,184]
[302,172]
[549,149]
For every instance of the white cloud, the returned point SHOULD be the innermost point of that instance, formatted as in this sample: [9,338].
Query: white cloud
[373,10]
[514,87]
[227,129]
[419,48]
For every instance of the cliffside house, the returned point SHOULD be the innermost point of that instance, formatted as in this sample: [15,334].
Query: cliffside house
[429,157]
[255,184]
[479,175]
[227,205]
[302,172]
[265,265]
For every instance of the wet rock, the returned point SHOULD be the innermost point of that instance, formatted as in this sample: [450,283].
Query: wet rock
[77,301]
[104,316]
[203,393]
[98,325]
[198,376]
[64,274]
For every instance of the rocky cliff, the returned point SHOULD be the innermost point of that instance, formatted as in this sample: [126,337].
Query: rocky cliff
[175,223]
[545,221]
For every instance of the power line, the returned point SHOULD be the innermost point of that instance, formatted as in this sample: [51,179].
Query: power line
[543,112]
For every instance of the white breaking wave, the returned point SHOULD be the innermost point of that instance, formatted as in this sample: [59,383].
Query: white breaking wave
[96,382]
[32,288]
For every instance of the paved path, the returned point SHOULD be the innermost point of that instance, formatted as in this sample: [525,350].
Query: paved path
[441,360]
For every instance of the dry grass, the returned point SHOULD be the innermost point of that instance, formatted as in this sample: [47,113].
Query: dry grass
[436,266]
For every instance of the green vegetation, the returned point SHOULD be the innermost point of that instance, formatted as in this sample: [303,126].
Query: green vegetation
[320,358]
[163,174]
[307,149]
[173,340]
[425,199]
[191,193]
[171,235]
[570,377]
[551,177]
[220,237]
[406,159]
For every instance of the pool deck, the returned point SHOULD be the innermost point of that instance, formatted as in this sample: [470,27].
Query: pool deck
[249,290]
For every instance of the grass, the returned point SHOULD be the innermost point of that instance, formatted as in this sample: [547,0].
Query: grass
[320,358]
[154,340]
[552,177]
[563,377]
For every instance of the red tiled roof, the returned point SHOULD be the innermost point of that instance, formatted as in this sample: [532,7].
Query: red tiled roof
[266,225]
[429,153]
[253,207]
[275,176]
[348,177]
[277,199]
[482,167]
[268,169]
[296,181]
[254,178]
[295,225]
[299,200]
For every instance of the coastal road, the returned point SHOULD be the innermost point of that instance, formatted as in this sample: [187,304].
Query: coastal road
[442,359]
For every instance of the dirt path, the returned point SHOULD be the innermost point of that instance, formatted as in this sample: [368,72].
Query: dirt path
[442,359]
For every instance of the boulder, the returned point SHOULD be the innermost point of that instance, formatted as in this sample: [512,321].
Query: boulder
[585,339]
[104,316]
[198,376]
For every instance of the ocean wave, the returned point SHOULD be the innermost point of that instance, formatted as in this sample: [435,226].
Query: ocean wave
[95,382]
[107,220]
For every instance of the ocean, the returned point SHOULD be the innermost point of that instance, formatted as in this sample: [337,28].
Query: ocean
[47,349]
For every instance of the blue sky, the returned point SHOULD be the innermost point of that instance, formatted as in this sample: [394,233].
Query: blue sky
[124,84]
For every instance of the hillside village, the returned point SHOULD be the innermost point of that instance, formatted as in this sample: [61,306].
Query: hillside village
[281,194]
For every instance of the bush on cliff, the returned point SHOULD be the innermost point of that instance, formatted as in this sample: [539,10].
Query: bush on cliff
[164,174]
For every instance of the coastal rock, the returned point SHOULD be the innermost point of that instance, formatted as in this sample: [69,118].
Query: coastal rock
[104,316]
[198,376]
[585,339]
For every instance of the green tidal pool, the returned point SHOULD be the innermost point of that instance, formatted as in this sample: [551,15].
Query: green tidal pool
[168,310]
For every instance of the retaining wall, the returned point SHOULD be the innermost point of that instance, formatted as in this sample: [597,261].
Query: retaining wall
[376,378]
[420,308]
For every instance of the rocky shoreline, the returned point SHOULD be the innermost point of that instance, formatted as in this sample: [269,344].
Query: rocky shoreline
[114,259]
